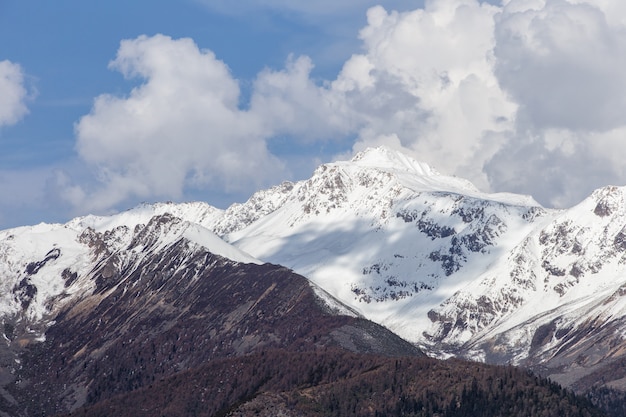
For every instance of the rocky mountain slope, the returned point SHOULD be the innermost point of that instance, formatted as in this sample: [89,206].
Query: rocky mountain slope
[103,306]
[458,272]
[493,277]
[147,313]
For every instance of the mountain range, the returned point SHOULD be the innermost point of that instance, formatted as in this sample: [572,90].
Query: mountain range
[364,250]
[491,277]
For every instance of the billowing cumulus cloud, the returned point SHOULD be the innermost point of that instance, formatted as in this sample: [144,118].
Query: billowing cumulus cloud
[525,96]
[561,62]
[181,127]
[528,96]
[184,125]
[564,64]
[290,103]
[13,93]
[426,83]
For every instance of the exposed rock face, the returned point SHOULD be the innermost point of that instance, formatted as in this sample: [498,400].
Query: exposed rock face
[562,310]
[160,303]
[492,277]
[459,272]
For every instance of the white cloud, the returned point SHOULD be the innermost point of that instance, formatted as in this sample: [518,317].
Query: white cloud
[426,80]
[13,93]
[181,127]
[290,103]
[563,63]
[527,96]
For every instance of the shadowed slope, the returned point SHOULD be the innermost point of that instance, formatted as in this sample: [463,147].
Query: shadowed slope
[176,308]
[331,382]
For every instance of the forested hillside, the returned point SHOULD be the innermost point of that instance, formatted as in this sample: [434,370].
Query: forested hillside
[334,382]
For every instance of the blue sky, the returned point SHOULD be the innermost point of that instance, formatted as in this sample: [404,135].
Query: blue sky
[107,105]
[64,48]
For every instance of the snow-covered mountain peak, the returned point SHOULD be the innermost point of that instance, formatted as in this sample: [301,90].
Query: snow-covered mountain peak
[259,205]
[159,231]
[385,233]
[409,172]
[386,158]
[419,176]
[456,270]
[372,186]
[196,212]
[48,265]
[607,200]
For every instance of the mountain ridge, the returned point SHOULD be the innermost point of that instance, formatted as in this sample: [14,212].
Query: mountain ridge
[134,304]
[458,272]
